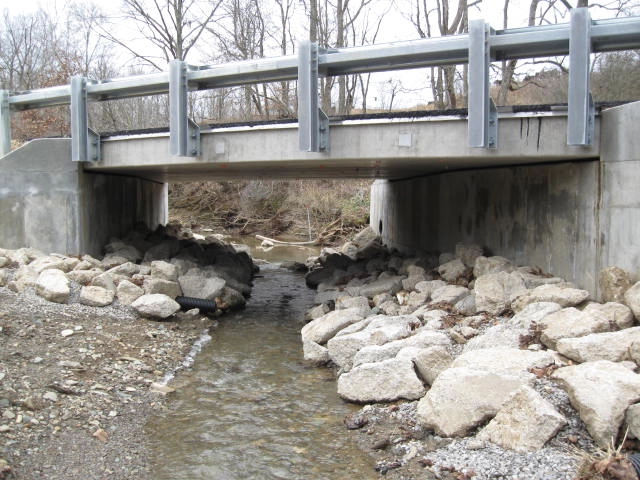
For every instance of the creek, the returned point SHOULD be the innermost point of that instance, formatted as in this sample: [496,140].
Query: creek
[250,407]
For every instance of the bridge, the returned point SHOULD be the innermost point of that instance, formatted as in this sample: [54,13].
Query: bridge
[552,187]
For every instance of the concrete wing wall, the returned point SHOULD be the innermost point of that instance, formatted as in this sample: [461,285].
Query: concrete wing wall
[48,202]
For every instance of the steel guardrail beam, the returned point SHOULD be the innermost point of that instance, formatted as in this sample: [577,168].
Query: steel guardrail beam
[527,42]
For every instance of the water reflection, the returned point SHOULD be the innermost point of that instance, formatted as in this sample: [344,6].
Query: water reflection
[251,408]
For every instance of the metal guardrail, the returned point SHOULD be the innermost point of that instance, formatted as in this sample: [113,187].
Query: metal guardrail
[481,46]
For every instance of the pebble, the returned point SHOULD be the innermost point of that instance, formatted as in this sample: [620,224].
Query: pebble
[67,332]
[37,360]
[51,396]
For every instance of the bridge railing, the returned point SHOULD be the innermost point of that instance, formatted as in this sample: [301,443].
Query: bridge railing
[481,46]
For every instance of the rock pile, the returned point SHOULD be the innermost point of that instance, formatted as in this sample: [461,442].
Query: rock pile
[146,270]
[481,346]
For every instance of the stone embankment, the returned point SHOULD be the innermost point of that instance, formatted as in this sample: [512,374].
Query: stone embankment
[146,270]
[483,360]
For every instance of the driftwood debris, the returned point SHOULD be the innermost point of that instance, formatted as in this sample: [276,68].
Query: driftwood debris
[272,242]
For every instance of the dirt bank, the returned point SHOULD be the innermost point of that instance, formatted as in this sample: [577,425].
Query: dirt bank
[77,386]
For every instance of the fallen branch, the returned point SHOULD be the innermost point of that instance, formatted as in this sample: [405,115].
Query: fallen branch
[276,243]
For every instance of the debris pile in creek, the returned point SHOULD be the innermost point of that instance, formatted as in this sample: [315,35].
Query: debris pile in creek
[469,362]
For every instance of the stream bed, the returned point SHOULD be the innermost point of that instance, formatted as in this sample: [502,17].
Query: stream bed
[250,407]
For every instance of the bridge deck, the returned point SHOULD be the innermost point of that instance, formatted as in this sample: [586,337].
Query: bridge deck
[374,148]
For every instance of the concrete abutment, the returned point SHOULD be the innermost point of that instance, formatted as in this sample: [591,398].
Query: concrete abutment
[571,219]
[50,203]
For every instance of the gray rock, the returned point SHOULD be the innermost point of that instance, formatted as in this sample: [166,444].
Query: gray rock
[127,269]
[450,294]
[196,284]
[165,249]
[53,285]
[614,282]
[380,330]
[96,296]
[382,298]
[417,299]
[158,285]
[431,362]
[118,248]
[561,294]
[452,270]
[128,292]
[486,265]
[346,302]
[612,346]
[632,420]
[429,286]
[112,260]
[570,323]
[48,262]
[601,392]
[423,338]
[25,277]
[468,253]
[432,319]
[496,291]
[314,353]
[384,381]
[460,399]
[632,299]
[504,360]
[524,423]
[83,277]
[615,313]
[4,261]
[390,308]
[497,336]
[534,313]
[384,284]
[156,305]
[104,280]
[4,277]
[467,306]
[230,299]
[318,311]
[325,327]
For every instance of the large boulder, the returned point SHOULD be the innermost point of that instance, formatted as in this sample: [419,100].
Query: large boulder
[49,262]
[615,313]
[325,327]
[632,299]
[486,265]
[614,282]
[53,285]
[165,270]
[504,360]
[612,346]
[315,353]
[127,292]
[197,284]
[533,314]
[431,362]
[468,253]
[96,296]
[380,330]
[423,338]
[384,381]
[452,270]
[497,336]
[84,277]
[450,294]
[524,423]
[496,291]
[159,285]
[385,283]
[460,399]
[156,305]
[570,323]
[564,295]
[601,392]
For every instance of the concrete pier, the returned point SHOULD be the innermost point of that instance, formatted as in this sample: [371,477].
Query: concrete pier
[571,218]
[50,203]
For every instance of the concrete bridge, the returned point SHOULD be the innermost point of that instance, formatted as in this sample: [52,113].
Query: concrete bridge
[552,188]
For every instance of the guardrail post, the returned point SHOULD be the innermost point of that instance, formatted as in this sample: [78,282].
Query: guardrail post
[482,115]
[184,133]
[581,123]
[313,123]
[85,143]
[5,123]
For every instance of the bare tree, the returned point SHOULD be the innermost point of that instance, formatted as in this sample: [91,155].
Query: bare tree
[173,27]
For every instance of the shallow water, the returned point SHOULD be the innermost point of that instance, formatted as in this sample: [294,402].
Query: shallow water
[251,408]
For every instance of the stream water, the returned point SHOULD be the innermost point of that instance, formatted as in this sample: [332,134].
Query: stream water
[251,408]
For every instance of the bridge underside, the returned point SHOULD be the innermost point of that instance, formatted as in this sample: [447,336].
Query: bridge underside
[389,149]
